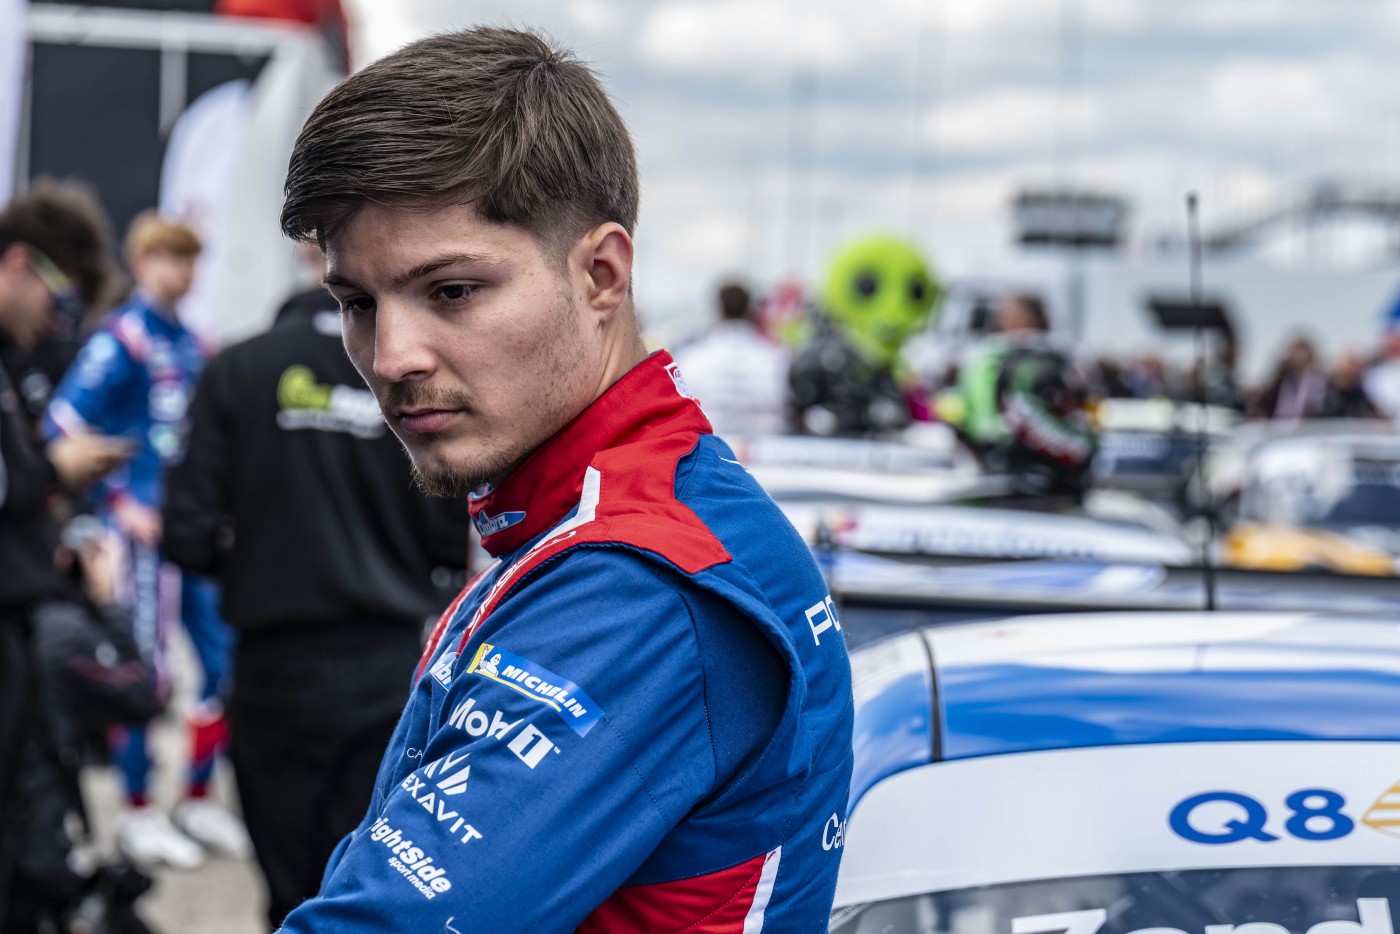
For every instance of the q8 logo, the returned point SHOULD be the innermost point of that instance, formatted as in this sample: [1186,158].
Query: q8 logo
[1314,814]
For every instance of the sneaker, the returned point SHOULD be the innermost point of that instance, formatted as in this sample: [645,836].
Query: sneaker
[146,837]
[212,825]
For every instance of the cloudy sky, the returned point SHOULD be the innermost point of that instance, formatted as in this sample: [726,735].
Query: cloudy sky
[770,130]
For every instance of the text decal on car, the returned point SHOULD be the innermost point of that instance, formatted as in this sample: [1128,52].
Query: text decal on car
[1220,817]
[1373,912]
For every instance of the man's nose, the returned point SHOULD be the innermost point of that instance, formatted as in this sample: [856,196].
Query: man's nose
[402,349]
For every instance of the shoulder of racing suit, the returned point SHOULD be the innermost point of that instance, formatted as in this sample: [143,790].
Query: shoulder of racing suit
[569,696]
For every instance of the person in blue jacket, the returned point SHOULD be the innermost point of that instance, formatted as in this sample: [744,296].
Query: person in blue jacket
[133,378]
[638,716]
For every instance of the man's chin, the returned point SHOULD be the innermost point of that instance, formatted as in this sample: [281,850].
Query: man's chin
[438,474]
[445,482]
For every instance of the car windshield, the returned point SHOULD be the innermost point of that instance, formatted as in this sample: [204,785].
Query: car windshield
[1279,900]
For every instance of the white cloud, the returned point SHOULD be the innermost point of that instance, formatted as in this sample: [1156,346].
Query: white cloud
[1010,120]
[753,37]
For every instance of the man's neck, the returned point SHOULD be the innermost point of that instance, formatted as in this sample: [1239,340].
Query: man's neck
[623,349]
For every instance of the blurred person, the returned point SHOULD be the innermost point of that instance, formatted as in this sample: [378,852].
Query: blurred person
[1298,388]
[1146,377]
[1346,390]
[295,495]
[639,716]
[133,378]
[1112,377]
[739,376]
[1382,379]
[1019,318]
[1025,404]
[53,246]
[849,380]
[1212,381]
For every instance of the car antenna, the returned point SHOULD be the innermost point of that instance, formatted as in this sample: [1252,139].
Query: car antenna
[1193,239]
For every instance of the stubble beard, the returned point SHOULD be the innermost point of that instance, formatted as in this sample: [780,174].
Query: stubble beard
[451,482]
[559,359]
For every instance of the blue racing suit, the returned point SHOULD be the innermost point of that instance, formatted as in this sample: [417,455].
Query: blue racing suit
[134,378]
[579,749]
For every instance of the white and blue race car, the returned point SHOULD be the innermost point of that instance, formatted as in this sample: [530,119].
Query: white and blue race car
[1106,773]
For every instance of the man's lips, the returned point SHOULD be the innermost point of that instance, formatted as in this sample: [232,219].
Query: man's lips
[426,421]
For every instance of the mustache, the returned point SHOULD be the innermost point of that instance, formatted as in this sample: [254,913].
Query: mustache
[417,396]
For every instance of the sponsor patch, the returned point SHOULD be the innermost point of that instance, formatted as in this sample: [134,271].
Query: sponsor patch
[443,778]
[538,683]
[410,861]
[442,669]
[490,525]
[674,372]
[530,745]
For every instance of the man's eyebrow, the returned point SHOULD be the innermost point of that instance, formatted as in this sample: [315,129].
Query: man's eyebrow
[335,278]
[416,272]
[441,262]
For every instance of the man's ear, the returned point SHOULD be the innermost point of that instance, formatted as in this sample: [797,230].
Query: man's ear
[603,257]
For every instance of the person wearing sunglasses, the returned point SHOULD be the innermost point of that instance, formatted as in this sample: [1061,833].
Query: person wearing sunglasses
[53,253]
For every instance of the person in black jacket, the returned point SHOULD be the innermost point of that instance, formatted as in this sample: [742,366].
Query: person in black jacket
[53,255]
[297,496]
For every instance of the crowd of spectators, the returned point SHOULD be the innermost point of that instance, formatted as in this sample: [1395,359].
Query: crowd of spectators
[1301,385]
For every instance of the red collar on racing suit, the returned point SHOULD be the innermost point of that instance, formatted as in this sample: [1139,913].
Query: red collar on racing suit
[650,400]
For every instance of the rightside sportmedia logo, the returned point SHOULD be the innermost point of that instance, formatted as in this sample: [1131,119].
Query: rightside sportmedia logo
[410,861]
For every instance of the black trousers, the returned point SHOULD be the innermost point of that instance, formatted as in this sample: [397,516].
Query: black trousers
[35,878]
[311,713]
[16,713]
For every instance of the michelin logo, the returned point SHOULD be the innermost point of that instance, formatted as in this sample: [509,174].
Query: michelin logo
[410,861]
[538,683]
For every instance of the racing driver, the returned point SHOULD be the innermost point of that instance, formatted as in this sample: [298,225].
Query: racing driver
[638,717]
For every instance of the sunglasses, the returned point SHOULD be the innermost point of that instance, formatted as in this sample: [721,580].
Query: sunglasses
[61,288]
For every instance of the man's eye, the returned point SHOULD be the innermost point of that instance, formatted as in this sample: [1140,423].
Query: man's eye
[356,306]
[455,292]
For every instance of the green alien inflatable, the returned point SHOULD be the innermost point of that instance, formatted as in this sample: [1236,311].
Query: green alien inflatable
[879,292]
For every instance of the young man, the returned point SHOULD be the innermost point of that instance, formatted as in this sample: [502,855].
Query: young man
[638,718]
[134,378]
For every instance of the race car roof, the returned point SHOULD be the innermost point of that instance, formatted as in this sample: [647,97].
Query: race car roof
[1104,679]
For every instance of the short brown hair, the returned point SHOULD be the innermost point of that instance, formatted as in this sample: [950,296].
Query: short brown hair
[151,233]
[63,221]
[734,302]
[498,118]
